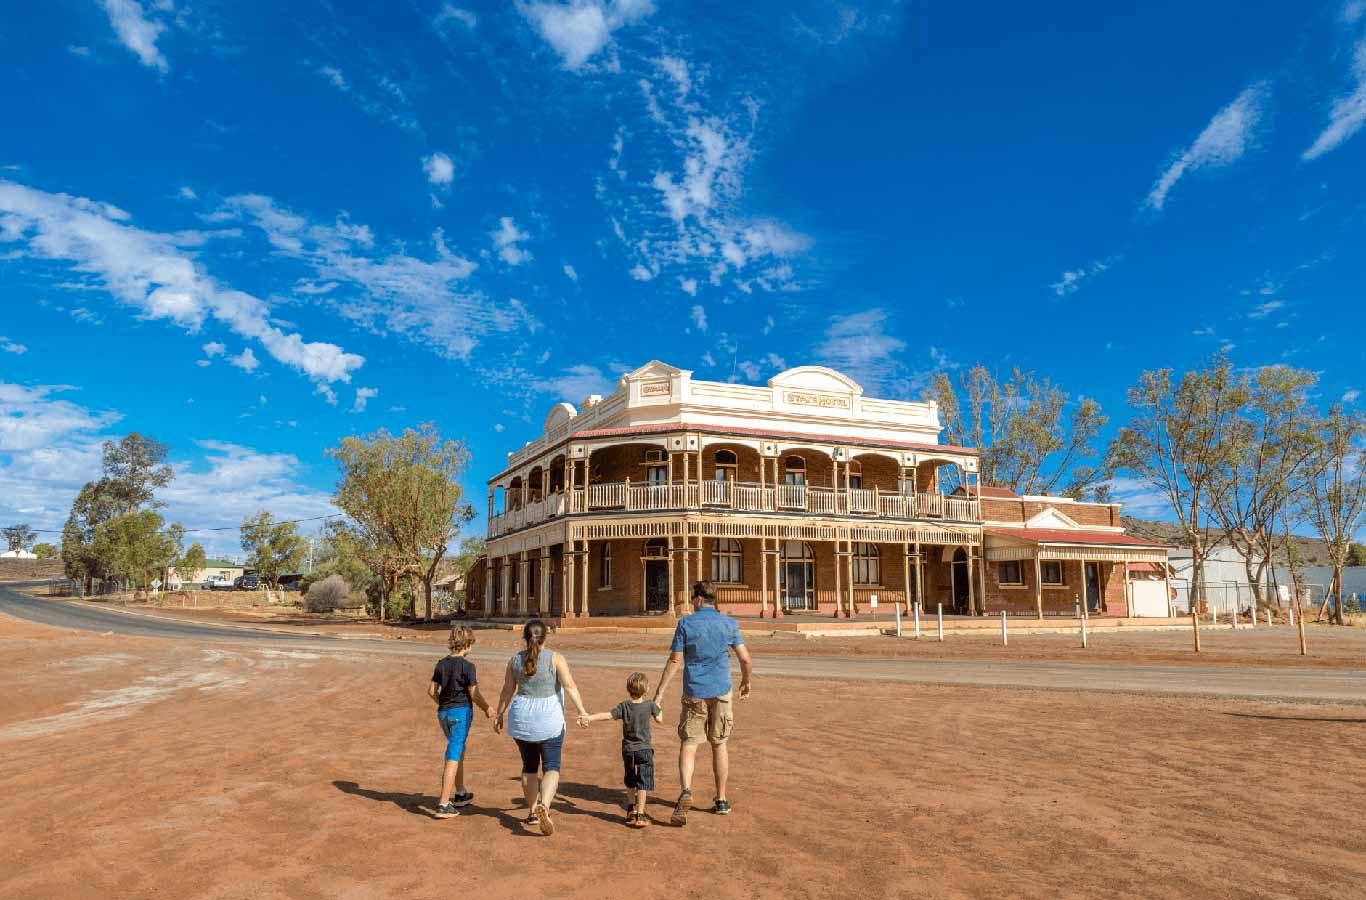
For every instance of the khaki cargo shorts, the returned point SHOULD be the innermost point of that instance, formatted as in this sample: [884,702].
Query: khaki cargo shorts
[711,717]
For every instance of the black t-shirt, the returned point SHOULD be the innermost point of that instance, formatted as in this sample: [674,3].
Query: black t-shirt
[456,676]
[635,723]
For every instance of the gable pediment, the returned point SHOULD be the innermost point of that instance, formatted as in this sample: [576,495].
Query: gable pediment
[816,378]
[1051,518]
[653,369]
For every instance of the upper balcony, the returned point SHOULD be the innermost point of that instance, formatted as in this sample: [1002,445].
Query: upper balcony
[739,497]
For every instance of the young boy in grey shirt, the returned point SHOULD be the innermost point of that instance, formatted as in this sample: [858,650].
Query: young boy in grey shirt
[637,744]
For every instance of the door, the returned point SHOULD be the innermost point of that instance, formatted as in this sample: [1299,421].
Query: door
[797,577]
[656,585]
[961,587]
[1092,587]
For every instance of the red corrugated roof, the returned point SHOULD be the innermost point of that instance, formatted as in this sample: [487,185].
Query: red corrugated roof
[762,432]
[1072,536]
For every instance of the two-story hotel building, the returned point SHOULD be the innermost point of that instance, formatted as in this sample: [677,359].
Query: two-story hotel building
[799,497]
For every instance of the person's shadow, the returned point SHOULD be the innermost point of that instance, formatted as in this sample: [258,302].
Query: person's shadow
[592,793]
[424,805]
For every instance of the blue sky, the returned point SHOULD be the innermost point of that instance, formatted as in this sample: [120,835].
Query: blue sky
[250,229]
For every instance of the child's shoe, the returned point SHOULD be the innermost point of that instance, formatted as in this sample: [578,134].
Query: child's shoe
[446,810]
[465,798]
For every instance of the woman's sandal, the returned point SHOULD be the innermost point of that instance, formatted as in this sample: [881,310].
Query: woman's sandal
[638,820]
[543,813]
[631,818]
[531,821]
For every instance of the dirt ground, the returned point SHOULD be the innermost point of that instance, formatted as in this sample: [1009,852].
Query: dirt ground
[1329,646]
[137,767]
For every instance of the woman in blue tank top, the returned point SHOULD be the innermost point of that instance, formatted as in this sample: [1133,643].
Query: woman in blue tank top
[532,709]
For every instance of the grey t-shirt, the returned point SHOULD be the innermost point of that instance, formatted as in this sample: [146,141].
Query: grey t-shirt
[635,723]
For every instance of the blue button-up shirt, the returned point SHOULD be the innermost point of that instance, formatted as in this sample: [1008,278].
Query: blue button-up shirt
[705,638]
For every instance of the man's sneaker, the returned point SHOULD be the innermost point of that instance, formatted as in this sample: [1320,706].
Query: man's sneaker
[680,816]
[446,810]
[722,808]
[462,799]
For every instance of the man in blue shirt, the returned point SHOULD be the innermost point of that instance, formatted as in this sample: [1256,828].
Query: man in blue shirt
[702,642]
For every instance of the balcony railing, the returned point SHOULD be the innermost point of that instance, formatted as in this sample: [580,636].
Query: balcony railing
[738,497]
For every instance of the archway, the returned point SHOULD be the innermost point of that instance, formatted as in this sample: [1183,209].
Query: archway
[797,576]
[962,584]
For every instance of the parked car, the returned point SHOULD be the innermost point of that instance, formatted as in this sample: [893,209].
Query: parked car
[247,583]
[218,583]
[291,582]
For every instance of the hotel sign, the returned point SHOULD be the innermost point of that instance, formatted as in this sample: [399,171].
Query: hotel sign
[655,389]
[798,398]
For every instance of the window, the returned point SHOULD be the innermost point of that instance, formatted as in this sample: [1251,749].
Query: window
[867,568]
[605,566]
[855,476]
[1008,572]
[657,475]
[725,465]
[794,470]
[726,561]
[1051,570]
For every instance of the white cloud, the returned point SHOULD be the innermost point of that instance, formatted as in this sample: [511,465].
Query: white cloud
[246,361]
[575,383]
[506,238]
[9,346]
[398,293]
[749,369]
[76,50]
[33,417]
[187,193]
[439,168]
[150,271]
[384,99]
[699,317]
[570,273]
[1348,112]
[138,29]
[579,29]
[213,348]
[363,396]
[1262,310]
[1351,396]
[858,345]
[1140,498]
[1222,143]
[776,361]
[640,273]
[1071,280]
[709,359]
[689,286]
[1352,10]
[450,15]
[677,70]
[500,428]
[1203,332]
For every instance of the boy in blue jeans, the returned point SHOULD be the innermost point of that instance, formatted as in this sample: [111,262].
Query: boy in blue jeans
[637,745]
[455,690]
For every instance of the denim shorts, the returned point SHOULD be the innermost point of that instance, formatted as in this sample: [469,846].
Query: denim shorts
[639,766]
[455,725]
[543,756]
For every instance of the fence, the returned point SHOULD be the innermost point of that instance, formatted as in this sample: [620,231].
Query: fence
[1226,596]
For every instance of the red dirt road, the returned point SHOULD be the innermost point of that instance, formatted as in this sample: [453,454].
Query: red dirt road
[137,767]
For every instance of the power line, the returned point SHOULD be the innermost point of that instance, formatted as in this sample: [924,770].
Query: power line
[213,528]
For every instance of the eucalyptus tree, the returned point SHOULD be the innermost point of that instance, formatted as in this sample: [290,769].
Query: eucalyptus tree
[1334,502]
[272,548]
[1177,442]
[1030,436]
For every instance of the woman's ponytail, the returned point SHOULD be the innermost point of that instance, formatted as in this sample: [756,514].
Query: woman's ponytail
[534,635]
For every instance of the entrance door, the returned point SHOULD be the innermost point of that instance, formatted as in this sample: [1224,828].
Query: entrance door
[797,577]
[656,585]
[961,588]
[1092,587]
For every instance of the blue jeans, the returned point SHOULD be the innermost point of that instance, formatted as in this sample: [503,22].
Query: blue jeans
[455,725]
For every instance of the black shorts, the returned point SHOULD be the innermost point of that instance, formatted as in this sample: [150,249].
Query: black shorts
[640,769]
[541,755]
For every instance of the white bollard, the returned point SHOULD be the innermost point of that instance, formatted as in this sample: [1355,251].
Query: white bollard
[1081,618]
[941,623]
[898,619]
[917,620]
[1292,620]
[1005,638]
[1268,625]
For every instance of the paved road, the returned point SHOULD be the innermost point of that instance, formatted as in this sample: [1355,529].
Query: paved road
[1317,685]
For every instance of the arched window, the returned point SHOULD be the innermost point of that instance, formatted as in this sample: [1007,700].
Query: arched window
[867,565]
[605,565]
[794,470]
[725,465]
[726,561]
[656,548]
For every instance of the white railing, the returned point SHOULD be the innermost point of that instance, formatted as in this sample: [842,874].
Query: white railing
[741,497]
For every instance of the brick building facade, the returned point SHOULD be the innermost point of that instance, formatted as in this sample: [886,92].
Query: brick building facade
[800,497]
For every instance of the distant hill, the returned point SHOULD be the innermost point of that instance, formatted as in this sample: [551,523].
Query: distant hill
[30,569]
[1312,550]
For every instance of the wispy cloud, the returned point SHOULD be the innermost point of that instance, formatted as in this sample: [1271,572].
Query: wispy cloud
[1223,142]
[579,29]
[439,168]
[138,28]
[363,396]
[575,383]
[858,345]
[9,346]
[150,271]
[1348,112]
[1262,310]
[1071,280]
[507,240]
[699,317]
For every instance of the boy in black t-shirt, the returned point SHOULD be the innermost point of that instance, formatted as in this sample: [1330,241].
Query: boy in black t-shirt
[637,744]
[454,688]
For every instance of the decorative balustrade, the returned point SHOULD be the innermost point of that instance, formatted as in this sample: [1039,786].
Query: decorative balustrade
[738,497]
